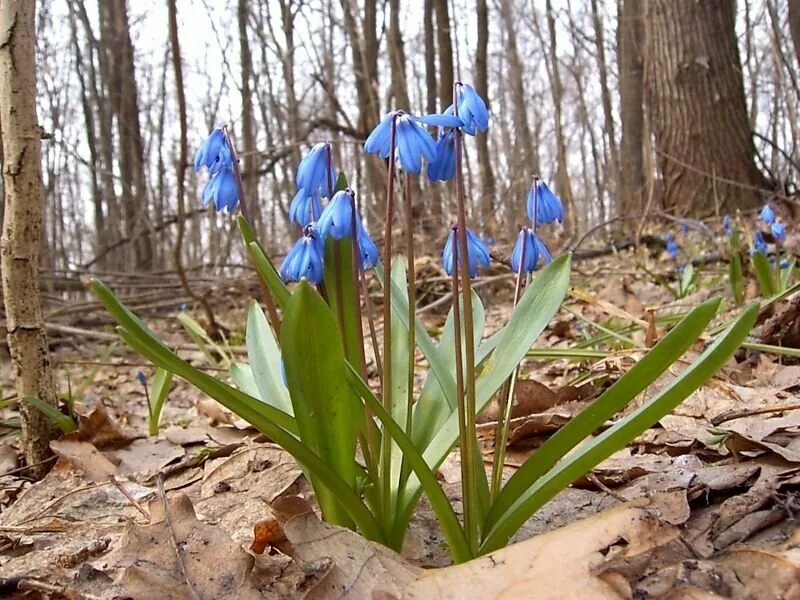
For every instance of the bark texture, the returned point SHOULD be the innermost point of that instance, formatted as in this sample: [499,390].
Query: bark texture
[22,226]
[695,91]
[794,26]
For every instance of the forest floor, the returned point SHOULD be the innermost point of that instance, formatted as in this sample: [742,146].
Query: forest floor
[703,505]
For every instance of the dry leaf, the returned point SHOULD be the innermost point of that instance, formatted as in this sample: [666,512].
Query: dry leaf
[84,457]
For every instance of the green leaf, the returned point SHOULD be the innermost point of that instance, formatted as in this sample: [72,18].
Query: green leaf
[326,411]
[687,280]
[643,373]
[159,390]
[265,360]
[786,274]
[583,459]
[445,514]
[64,422]
[763,274]
[341,293]
[735,269]
[203,341]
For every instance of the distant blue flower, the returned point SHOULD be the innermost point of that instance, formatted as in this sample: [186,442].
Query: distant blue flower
[222,189]
[443,168]
[672,246]
[367,248]
[213,153]
[545,203]
[141,378]
[767,215]
[684,229]
[472,110]
[312,172]
[726,224]
[412,141]
[785,263]
[304,208]
[477,254]
[759,245]
[778,231]
[526,251]
[337,218]
[304,260]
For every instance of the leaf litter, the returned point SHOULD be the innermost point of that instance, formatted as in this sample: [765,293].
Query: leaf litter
[702,505]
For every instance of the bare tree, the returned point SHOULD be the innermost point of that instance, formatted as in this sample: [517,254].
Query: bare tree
[696,97]
[22,227]
[249,158]
[444,41]
[794,26]
[485,170]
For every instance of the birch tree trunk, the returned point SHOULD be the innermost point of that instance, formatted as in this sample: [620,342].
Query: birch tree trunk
[22,226]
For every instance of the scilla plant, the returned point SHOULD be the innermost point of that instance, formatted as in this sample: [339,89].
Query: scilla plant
[370,446]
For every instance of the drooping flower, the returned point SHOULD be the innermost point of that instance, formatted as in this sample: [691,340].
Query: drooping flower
[672,246]
[726,225]
[222,189]
[472,110]
[759,245]
[544,203]
[213,153]
[477,254]
[312,172]
[443,168]
[412,141]
[767,215]
[366,248]
[304,260]
[304,208]
[337,218]
[525,251]
[778,231]
[544,253]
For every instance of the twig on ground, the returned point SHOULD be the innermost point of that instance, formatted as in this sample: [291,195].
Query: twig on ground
[168,520]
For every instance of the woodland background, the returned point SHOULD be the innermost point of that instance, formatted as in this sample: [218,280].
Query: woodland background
[628,108]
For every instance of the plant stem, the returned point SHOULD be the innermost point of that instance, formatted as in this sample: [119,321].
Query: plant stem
[778,286]
[470,443]
[506,400]
[386,445]
[272,309]
[412,299]
[371,322]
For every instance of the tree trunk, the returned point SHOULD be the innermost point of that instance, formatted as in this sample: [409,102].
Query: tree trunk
[630,31]
[485,171]
[430,57]
[794,26]
[398,58]
[22,227]
[605,94]
[445,44]
[249,158]
[695,92]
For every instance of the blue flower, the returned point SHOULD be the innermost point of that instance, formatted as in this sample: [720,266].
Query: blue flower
[477,254]
[443,168]
[525,249]
[778,231]
[726,224]
[759,245]
[767,215]
[312,172]
[141,379]
[544,253]
[785,263]
[472,110]
[337,218]
[304,260]
[672,246]
[546,205]
[305,208]
[367,248]
[222,189]
[213,153]
[412,141]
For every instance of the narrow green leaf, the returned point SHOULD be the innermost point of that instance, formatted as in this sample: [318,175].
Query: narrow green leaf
[615,438]
[341,294]
[64,422]
[735,269]
[269,274]
[159,390]
[324,406]
[265,360]
[763,274]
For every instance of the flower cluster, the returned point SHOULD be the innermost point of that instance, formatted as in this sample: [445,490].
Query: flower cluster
[477,254]
[316,177]
[672,246]
[776,228]
[215,154]
[543,207]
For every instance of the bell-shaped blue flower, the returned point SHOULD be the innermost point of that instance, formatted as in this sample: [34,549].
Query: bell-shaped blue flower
[312,172]
[759,245]
[543,205]
[778,231]
[213,153]
[412,141]
[472,110]
[305,208]
[477,254]
[443,168]
[726,225]
[767,215]
[672,246]
[222,189]
[304,260]
[542,250]
[337,218]
[525,251]
[366,248]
